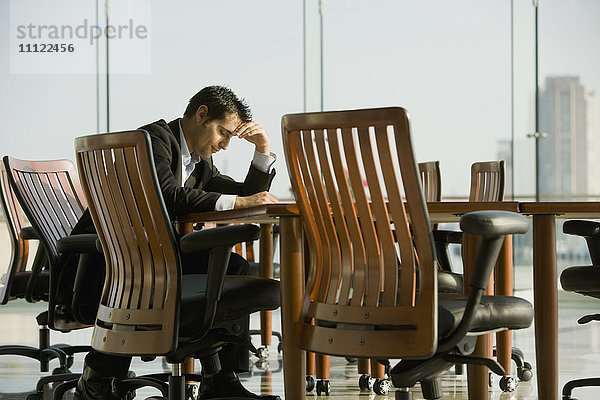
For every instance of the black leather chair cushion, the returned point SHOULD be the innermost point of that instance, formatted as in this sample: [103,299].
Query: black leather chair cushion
[242,295]
[254,268]
[584,280]
[449,282]
[494,312]
[20,280]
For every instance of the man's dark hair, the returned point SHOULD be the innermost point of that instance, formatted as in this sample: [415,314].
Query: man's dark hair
[220,101]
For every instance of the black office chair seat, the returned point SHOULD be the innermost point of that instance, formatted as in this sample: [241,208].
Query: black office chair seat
[42,283]
[241,295]
[582,279]
[494,312]
[449,282]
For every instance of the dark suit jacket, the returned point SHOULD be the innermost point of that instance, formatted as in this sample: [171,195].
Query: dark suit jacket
[205,185]
[201,190]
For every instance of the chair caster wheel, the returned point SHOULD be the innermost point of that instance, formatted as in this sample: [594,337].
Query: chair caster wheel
[508,384]
[323,387]
[491,379]
[381,386]
[263,365]
[310,383]
[262,352]
[403,395]
[192,390]
[365,382]
[34,396]
[525,373]
[61,370]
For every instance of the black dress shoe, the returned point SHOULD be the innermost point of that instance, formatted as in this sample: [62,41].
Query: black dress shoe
[227,384]
[93,385]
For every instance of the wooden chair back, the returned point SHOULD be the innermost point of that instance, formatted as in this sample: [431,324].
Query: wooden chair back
[15,221]
[431,179]
[487,181]
[346,170]
[139,306]
[51,197]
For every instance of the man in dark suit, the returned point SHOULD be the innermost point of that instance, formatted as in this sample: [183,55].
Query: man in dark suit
[189,181]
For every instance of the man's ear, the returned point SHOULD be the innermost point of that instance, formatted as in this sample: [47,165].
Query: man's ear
[201,113]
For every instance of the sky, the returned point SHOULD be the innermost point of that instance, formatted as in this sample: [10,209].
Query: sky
[449,63]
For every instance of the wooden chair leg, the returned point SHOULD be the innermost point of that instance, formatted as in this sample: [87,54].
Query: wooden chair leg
[323,365]
[364,366]
[377,369]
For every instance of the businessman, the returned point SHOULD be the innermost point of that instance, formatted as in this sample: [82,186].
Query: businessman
[190,182]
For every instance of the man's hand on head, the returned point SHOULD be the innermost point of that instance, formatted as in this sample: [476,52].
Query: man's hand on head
[255,200]
[254,133]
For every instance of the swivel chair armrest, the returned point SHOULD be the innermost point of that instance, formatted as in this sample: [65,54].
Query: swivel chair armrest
[84,243]
[218,242]
[454,237]
[581,227]
[492,227]
[590,230]
[442,239]
[39,262]
[28,233]
[69,245]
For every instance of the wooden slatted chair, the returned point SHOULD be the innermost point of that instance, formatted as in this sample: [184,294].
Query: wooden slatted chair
[146,308]
[358,301]
[19,282]
[487,184]
[431,179]
[50,195]
[487,181]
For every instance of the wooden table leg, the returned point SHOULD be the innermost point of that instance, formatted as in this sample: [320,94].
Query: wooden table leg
[265,269]
[477,376]
[545,300]
[292,290]
[504,287]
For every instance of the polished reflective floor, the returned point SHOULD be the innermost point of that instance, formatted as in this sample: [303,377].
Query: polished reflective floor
[579,357]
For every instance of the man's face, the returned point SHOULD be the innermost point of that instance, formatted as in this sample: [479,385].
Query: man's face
[215,135]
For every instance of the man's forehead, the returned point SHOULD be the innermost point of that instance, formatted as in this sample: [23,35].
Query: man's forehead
[231,121]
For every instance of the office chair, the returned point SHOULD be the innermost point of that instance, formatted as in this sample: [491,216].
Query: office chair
[18,282]
[358,302]
[487,184]
[50,194]
[146,308]
[584,280]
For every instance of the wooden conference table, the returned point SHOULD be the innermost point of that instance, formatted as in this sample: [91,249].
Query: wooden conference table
[544,270]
